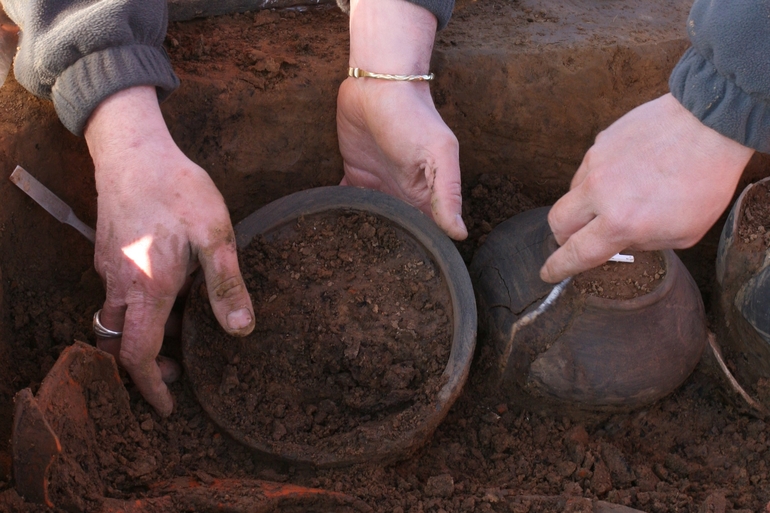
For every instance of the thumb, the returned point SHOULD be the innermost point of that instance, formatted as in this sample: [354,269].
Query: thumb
[443,178]
[227,292]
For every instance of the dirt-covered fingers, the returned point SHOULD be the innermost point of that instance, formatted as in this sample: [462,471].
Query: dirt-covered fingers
[442,176]
[227,292]
[141,342]
[585,249]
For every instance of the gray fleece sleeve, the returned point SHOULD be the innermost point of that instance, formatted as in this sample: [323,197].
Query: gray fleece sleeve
[724,78]
[441,9]
[79,52]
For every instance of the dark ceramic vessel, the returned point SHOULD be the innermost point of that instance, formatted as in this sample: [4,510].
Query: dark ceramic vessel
[367,443]
[585,353]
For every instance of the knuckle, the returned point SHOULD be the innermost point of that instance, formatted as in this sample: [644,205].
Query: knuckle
[594,179]
[600,137]
[619,226]
[229,288]
[577,257]
[131,358]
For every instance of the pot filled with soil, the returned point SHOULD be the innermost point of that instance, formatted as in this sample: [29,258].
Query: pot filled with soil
[743,285]
[620,336]
[366,326]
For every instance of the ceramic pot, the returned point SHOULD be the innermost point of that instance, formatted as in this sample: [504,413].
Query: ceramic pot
[586,353]
[385,440]
[743,290]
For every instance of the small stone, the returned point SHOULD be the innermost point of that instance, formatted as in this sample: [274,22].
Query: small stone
[265,18]
[601,482]
[440,486]
[566,468]
[279,431]
[229,379]
[677,464]
[147,425]
[142,467]
[367,231]
[621,473]
[714,503]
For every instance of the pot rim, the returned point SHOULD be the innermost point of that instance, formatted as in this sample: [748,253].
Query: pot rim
[441,250]
[738,206]
[672,264]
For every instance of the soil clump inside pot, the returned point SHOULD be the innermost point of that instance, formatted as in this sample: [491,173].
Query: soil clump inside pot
[621,280]
[754,225]
[353,334]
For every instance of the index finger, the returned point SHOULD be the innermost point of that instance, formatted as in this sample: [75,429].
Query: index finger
[142,339]
[585,249]
[571,213]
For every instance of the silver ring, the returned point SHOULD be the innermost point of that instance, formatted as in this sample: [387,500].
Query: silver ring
[103,332]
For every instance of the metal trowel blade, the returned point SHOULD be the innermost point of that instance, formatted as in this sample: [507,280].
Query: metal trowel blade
[50,201]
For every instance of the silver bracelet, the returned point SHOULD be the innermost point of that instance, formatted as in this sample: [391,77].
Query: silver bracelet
[359,73]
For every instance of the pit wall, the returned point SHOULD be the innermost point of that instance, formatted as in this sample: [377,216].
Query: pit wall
[526,86]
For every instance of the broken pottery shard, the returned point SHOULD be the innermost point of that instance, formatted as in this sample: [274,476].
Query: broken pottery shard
[34,446]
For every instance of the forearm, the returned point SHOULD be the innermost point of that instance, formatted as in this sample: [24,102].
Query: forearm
[724,79]
[78,53]
[391,36]
[440,9]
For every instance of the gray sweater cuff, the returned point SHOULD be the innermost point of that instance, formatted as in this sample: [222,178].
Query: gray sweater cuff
[441,9]
[96,76]
[720,103]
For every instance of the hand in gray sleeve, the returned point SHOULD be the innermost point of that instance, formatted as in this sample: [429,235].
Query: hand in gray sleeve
[441,9]
[724,78]
[79,52]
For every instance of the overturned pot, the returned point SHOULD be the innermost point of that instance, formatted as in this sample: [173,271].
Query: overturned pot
[743,281]
[366,326]
[586,352]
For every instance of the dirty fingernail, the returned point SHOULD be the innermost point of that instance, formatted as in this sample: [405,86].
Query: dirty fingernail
[239,319]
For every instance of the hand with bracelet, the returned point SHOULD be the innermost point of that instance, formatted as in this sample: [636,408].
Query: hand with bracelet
[391,136]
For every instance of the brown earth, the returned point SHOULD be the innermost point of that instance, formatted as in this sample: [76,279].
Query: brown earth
[621,280]
[354,334]
[754,224]
[526,86]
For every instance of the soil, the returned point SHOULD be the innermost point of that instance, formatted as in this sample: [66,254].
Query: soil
[354,329]
[620,280]
[690,451]
[754,222]
[264,127]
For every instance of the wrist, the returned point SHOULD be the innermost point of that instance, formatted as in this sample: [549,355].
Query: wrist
[127,122]
[704,134]
[391,36]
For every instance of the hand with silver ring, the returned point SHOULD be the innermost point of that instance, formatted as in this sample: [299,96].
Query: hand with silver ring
[160,216]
